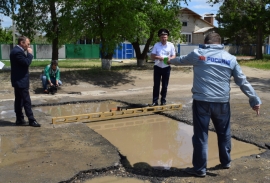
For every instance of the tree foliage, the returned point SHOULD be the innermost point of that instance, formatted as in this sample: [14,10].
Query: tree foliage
[5,36]
[102,19]
[43,17]
[6,6]
[245,21]
[136,21]
[150,16]
[26,21]
[111,22]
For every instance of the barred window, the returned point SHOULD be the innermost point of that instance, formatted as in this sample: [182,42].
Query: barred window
[187,38]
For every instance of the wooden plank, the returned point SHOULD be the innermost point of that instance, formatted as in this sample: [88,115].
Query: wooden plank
[91,117]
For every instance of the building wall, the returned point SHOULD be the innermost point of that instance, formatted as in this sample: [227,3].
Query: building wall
[190,23]
[198,38]
[193,23]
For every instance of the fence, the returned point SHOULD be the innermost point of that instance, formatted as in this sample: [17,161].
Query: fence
[234,50]
[123,51]
[39,51]
[45,51]
[242,50]
[185,49]
[81,51]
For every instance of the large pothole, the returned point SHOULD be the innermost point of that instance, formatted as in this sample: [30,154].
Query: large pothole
[149,141]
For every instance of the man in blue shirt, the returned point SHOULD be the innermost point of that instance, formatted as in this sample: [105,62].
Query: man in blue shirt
[161,53]
[213,68]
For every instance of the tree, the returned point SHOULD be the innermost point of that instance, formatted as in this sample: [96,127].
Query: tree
[237,16]
[26,19]
[105,20]
[6,6]
[148,17]
[5,36]
[44,16]
[136,21]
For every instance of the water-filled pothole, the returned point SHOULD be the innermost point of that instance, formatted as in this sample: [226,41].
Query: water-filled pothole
[77,108]
[153,141]
[160,142]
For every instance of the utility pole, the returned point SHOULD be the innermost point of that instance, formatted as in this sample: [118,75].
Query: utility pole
[13,23]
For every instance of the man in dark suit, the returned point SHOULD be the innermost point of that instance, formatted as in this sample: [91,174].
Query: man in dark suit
[20,59]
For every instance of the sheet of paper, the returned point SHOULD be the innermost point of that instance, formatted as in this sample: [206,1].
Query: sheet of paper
[1,65]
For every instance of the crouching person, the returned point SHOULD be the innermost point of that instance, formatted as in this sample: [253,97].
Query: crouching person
[51,76]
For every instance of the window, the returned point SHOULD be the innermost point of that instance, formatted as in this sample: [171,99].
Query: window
[187,38]
[184,24]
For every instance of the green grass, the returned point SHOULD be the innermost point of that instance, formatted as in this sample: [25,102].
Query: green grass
[74,63]
[96,64]
[259,64]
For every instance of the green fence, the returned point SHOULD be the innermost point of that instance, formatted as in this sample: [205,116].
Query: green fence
[0,52]
[82,51]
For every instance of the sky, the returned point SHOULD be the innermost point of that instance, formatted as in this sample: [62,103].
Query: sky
[198,6]
[6,21]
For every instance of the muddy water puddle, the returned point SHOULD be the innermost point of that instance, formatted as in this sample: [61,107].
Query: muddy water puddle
[149,141]
[78,108]
[160,142]
[67,110]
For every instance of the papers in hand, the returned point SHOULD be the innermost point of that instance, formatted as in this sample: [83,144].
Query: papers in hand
[1,65]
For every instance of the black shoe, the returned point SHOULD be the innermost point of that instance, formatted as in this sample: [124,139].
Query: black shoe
[191,171]
[228,166]
[163,103]
[34,124]
[21,122]
[155,104]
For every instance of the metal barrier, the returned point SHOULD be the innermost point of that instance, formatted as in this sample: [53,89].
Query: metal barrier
[119,113]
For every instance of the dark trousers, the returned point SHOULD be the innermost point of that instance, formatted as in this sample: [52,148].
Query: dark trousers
[45,82]
[220,114]
[22,100]
[162,74]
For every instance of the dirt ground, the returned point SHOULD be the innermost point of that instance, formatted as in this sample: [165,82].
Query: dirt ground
[134,86]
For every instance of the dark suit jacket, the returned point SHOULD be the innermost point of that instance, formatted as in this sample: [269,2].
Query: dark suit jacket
[20,67]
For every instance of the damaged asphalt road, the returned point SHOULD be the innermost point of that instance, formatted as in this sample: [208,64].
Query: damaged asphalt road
[74,153]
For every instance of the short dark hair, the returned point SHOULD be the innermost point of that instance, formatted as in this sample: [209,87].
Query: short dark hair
[22,38]
[54,62]
[212,38]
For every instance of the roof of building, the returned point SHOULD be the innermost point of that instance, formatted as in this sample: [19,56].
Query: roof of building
[202,30]
[187,11]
